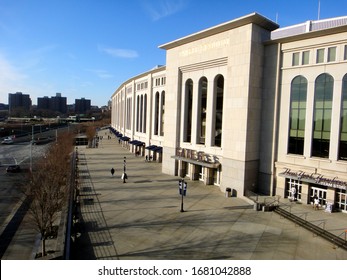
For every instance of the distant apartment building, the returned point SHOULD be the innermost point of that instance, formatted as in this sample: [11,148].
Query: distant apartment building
[3,107]
[82,105]
[55,103]
[43,103]
[19,100]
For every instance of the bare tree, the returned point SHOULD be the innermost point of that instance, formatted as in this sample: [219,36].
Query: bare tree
[90,133]
[47,188]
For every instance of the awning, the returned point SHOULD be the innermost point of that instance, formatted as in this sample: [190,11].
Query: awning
[158,150]
[197,162]
[125,138]
[136,143]
[151,147]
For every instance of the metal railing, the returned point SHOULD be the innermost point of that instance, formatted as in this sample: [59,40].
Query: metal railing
[315,229]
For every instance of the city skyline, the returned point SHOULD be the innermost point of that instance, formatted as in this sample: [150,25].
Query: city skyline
[88,48]
[57,94]
[20,103]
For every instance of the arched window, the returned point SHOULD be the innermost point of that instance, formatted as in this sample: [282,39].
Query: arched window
[162,113]
[298,95]
[138,113]
[323,99]
[218,108]
[202,107]
[187,116]
[141,113]
[129,113]
[145,114]
[156,114]
[343,130]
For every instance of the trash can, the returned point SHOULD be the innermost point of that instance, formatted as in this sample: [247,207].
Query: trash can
[228,192]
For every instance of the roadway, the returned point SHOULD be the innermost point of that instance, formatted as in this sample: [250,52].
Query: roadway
[11,194]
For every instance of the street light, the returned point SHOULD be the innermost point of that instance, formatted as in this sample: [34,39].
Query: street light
[31,149]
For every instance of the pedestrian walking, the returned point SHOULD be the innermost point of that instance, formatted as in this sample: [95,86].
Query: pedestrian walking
[112,171]
[316,203]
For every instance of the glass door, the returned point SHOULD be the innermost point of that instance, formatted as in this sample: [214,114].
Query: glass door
[321,192]
[201,172]
[293,189]
[341,200]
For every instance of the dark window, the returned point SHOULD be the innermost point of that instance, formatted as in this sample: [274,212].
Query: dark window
[202,108]
[323,97]
[162,114]
[156,114]
[343,130]
[298,93]
[187,132]
[218,122]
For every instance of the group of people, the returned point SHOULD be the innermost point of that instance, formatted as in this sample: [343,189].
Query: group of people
[149,158]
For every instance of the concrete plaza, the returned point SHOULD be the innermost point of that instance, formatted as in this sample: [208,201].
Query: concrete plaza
[141,219]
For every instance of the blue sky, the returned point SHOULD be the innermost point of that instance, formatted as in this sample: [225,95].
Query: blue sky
[87,48]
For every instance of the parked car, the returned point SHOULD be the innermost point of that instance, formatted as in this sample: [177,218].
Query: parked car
[7,141]
[15,168]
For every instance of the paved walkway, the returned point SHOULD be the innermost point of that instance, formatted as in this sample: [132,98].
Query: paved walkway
[141,219]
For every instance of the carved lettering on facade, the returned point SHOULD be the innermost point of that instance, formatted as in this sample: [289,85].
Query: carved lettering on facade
[205,47]
[316,178]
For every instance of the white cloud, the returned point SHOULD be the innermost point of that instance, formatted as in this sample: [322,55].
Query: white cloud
[114,52]
[164,8]
[103,74]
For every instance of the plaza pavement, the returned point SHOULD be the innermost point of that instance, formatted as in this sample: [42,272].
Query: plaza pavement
[141,219]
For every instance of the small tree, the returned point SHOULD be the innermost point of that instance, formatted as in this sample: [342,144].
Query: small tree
[39,194]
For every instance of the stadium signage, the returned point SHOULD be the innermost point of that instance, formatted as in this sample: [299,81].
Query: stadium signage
[315,178]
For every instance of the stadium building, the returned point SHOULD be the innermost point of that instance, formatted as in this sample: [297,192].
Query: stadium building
[246,105]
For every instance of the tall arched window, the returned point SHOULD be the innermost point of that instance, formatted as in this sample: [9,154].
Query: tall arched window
[187,116]
[138,113]
[202,107]
[218,108]
[323,97]
[298,95]
[343,130]
[145,114]
[129,113]
[162,113]
[156,114]
[141,113]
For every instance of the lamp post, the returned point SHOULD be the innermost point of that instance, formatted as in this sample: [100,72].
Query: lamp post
[124,170]
[31,148]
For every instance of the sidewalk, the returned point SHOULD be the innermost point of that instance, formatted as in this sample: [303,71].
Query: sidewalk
[141,219]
